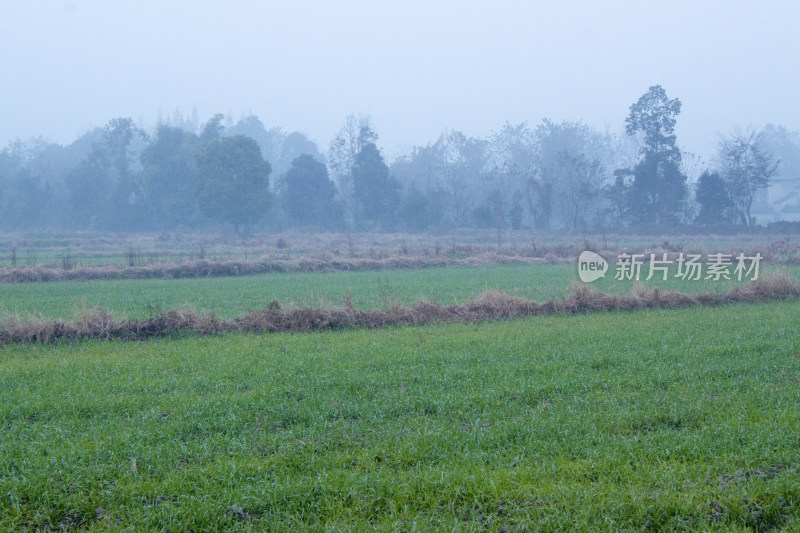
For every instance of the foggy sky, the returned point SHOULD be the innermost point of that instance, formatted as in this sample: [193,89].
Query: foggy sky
[415,68]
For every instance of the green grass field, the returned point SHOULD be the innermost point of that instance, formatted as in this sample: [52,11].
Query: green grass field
[654,420]
[233,296]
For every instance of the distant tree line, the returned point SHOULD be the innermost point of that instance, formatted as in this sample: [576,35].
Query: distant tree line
[556,175]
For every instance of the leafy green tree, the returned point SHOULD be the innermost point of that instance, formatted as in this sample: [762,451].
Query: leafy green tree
[277,147]
[711,194]
[376,192]
[308,195]
[88,190]
[170,177]
[213,129]
[233,181]
[268,140]
[418,210]
[23,200]
[293,146]
[658,191]
[104,189]
[27,184]
[124,140]
[654,116]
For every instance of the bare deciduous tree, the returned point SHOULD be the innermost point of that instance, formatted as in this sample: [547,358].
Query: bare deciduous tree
[582,180]
[745,167]
[354,134]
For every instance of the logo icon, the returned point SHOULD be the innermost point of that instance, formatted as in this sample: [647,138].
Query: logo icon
[591,266]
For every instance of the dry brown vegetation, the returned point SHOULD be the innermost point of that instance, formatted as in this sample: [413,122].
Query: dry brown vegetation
[491,305]
[206,268]
[345,253]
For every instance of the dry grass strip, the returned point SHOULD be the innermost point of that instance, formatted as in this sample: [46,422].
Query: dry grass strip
[98,323]
[206,268]
[390,258]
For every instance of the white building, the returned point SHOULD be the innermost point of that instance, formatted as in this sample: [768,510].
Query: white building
[779,201]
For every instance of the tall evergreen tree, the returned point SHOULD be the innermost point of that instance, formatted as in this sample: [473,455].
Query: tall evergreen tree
[376,192]
[308,195]
[658,192]
[233,181]
[712,197]
[170,178]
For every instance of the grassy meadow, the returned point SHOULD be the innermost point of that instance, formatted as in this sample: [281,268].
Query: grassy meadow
[653,420]
[232,296]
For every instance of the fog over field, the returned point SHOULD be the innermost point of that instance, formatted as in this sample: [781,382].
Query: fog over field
[416,68]
[399,266]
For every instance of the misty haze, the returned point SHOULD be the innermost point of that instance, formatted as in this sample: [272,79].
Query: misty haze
[413,267]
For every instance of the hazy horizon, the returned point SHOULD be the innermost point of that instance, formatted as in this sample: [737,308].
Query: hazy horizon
[416,69]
